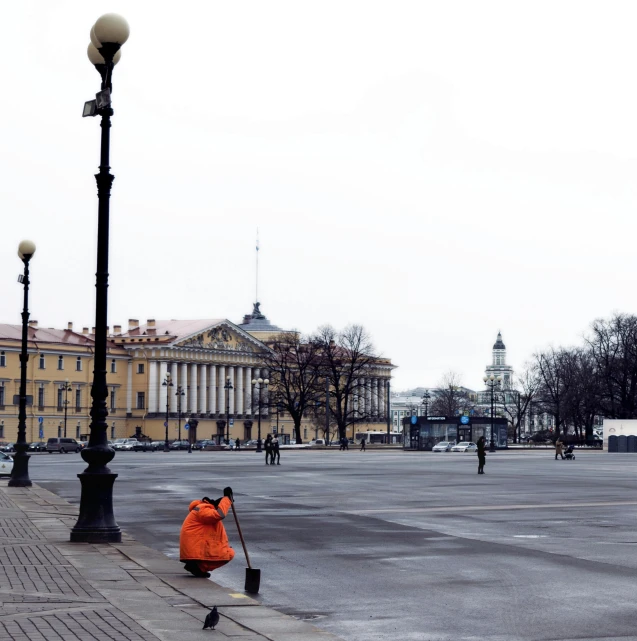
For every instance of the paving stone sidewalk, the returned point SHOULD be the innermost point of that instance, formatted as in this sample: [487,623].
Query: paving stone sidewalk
[54,590]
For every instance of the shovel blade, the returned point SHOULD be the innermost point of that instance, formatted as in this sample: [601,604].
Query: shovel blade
[253,580]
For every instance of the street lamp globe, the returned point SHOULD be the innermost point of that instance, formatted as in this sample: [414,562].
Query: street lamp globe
[254,381]
[266,381]
[94,41]
[259,380]
[97,58]
[111,28]
[26,249]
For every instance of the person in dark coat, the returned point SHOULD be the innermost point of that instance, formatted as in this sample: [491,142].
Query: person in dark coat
[482,454]
[363,444]
[267,446]
[275,451]
[237,444]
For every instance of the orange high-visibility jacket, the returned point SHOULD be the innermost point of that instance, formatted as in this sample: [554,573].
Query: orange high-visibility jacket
[203,537]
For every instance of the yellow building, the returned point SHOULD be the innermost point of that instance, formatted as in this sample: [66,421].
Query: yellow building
[160,371]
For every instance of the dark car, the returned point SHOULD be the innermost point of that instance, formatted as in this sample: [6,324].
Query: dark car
[62,445]
[179,445]
[39,446]
[9,447]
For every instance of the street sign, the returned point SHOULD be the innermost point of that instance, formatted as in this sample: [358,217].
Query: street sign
[41,433]
[414,420]
[40,420]
[231,421]
[464,420]
[186,426]
[165,423]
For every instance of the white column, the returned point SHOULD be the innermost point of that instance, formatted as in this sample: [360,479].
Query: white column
[152,386]
[129,388]
[183,381]
[361,397]
[203,389]
[368,396]
[163,370]
[239,378]
[172,391]
[213,389]
[382,400]
[192,398]
[221,392]
[248,391]
[230,374]
[264,394]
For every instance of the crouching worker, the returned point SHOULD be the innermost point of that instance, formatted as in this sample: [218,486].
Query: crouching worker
[203,542]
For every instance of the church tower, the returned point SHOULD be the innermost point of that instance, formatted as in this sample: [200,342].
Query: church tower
[499,365]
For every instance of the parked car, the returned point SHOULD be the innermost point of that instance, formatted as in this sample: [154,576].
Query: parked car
[9,447]
[39,446]
[143,446]
[124,444]
[443,446]
[6,464]
[317,441]
[179,445]
[62,445]
[465,446]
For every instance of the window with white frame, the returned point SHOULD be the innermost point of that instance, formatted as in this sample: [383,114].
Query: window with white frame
[60,362]
[78,399]
[113,402]
[140,368]
[77,431]
[42,364]
[3,359]
[78,364]
[41,396]
[1,394]
[141,400]
[60,399]
[1,429]
[113,366]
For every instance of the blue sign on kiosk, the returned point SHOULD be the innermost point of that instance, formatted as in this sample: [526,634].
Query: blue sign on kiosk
[464,420]
[414,420]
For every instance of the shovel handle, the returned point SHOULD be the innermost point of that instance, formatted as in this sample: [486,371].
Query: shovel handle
[234,513]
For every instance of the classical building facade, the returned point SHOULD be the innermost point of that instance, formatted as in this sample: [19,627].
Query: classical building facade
[159,372]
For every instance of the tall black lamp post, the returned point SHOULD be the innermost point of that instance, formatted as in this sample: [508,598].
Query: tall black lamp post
[261,382]
[179,394]
[66,386]
[492,382]
[425,402]
[228,386]
[96,521]
[20,471]
[167,383]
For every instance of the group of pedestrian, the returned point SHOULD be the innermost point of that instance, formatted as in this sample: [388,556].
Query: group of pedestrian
[272,450]
[343,444]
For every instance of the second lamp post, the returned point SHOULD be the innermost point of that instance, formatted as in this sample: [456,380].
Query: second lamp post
[492,382]
[228,386]
[168,383]
[261,382]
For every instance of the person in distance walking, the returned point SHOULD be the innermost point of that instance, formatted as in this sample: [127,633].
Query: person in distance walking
[482,454]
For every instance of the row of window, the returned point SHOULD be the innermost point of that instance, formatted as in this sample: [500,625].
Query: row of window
[61,400]
[78,363]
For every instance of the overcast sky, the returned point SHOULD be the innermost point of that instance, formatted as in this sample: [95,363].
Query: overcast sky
[435,171]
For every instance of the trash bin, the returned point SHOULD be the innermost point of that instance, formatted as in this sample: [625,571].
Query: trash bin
[632,442]
[612,443]
[622,445]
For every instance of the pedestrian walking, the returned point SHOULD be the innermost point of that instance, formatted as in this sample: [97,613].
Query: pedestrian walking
[237,444]
[559,448]
[203,542]
[267,446]
[275,452]
[363,444]
[482,454]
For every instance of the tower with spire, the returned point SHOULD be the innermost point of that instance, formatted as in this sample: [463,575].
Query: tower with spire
[499,365]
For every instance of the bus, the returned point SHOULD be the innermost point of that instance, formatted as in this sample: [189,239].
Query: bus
[378,437]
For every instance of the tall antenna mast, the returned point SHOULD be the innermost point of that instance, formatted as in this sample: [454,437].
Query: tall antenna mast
[257,274]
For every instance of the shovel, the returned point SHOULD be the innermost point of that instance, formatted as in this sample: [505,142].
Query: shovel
[253,576]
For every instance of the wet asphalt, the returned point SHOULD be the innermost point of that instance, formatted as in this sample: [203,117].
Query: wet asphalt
[409,546]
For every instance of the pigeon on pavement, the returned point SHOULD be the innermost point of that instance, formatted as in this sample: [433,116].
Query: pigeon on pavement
[212,618]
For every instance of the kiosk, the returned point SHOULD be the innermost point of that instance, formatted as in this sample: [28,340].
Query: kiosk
[422,433]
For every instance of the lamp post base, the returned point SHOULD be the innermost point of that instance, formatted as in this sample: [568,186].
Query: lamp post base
[20,472]
[492,448]
[96,523]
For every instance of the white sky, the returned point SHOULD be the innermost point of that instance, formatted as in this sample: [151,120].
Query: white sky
[433,170]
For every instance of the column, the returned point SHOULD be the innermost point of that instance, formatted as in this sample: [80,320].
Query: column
[382,400]
[213,389]
[239,378]
[152,386]
[230,375]
[129,388]
[172,391]
[192,396]
[361,397]
[265,393]
[221,394]
[203,389]
[163,370]
[368,397]
[248,391]
[183,381]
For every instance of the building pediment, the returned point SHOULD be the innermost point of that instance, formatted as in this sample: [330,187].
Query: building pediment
[223,336]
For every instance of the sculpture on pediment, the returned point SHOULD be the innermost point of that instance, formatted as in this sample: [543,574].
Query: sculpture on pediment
[195,341]
[220,334]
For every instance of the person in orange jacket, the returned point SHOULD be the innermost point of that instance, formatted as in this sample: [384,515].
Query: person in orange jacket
[203,542]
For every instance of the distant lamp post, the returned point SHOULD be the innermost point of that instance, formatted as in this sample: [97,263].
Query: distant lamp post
[228,386]
[96,521]
[167,383]
[180,393]
[66,386]
[425,402]
[261,383]
[20,471]
[492,382]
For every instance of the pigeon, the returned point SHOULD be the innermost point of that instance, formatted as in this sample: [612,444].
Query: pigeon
[212,618]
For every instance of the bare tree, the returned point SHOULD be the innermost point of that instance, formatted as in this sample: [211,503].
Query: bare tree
[450,398]
[518,400]
[293,365]
[347,359]
[555,382]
